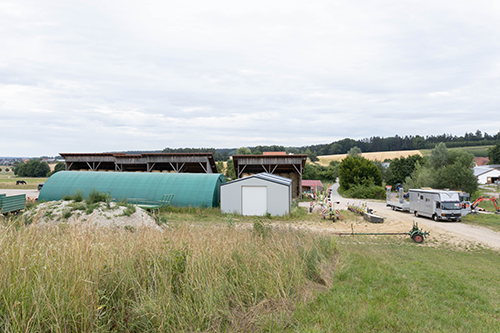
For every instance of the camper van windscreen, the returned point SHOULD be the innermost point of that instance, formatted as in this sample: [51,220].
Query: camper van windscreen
[450,205]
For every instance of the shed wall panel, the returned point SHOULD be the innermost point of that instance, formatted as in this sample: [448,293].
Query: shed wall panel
[279,196]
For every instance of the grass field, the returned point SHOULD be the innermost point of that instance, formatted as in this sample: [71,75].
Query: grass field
[8,181]
[213,273]
[381,156]
[475,150]
[491,221]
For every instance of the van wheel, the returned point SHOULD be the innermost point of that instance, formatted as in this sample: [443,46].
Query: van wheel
[435,217]
[416,214]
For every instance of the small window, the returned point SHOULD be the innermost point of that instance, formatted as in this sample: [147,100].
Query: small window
[427,200]
[438,205]
[421,197]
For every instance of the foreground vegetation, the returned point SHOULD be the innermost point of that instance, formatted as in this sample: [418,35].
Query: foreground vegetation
[387,285]
[491,221]
[75,279]
[212,272]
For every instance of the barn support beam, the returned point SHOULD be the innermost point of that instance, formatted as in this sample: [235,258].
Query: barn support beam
[203,167]
[240,172]
[299,171]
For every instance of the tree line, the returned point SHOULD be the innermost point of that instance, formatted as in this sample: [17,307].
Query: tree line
[372,144]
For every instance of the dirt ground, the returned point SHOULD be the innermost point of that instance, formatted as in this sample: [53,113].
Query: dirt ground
[455,234]
[33,194]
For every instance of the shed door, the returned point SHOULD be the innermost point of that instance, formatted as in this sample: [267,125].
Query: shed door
[254,200]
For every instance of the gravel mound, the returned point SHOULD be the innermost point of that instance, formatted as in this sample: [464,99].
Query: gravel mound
[79,213]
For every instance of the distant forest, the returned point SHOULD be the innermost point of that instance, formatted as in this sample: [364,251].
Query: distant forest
[373,144]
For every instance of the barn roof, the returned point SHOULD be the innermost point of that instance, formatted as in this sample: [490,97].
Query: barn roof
[264,176]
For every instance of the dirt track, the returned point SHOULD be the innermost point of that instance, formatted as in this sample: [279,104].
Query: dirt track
[454,233]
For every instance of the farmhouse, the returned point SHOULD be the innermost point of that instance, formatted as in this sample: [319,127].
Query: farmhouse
[312,186]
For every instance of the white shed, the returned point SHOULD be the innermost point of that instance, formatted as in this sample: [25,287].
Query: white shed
[257,195]
[488,174]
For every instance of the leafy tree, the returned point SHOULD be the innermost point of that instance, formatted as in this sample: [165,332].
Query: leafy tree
[243,151]
[311,171]
[354,151]
[420,177]
[60,166]
[230,172]
[439,156]
[32,168]
[217,156]
[7,169]
[256,152]
[402,167]
[382,169]
[494,154]
[446,169]
[220,167]
[225,156]
[318,172]
[356,170]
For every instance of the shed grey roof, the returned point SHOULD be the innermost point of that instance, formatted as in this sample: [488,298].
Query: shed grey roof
[265,176]
[484,169]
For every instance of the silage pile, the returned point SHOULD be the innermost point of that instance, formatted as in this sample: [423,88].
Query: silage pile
[77,213]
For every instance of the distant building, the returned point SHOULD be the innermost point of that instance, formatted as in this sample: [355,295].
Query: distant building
[488,174]
[274,153]
[481,161]
[312,186]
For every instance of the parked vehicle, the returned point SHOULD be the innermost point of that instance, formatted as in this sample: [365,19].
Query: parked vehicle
[436,204]
[401,205]
[40,185]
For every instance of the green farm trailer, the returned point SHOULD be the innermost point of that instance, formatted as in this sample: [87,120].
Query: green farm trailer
[12,204]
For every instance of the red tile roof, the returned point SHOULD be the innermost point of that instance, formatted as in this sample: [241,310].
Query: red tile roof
[274,153]
[312,183]
[480,161]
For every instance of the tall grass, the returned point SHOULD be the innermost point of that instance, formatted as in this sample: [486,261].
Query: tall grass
[76,279]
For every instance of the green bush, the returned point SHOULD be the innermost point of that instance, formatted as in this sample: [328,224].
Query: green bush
[95,196]
[76,197]
[362,191]
[129,210]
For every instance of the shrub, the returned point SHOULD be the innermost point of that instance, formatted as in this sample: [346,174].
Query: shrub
[362,191]
[77,196]
[129,210]
[95,196]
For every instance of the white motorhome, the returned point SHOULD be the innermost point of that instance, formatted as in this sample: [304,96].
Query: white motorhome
[436,204]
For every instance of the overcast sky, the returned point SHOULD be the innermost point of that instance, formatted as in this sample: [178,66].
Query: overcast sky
[95,76]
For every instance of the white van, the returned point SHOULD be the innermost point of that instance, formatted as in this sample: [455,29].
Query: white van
[435,204]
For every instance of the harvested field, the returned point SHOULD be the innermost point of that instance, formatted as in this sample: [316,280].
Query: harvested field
[380,156]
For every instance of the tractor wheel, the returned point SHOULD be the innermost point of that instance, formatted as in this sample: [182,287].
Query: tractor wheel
[435,217]
[418,238]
